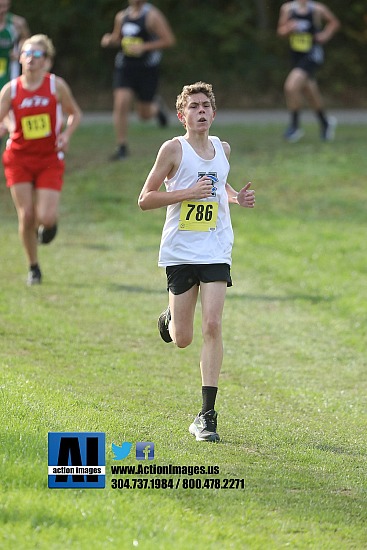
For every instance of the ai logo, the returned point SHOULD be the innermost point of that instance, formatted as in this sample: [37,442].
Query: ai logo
[76,460]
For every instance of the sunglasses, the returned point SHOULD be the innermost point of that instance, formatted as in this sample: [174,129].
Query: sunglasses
[37,54]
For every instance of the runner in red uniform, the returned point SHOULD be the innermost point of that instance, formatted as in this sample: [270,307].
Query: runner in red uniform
[33,159]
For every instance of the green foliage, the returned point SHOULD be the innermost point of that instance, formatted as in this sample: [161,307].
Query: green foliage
[231,43]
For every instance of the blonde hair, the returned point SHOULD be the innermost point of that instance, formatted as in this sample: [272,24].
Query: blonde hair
[41,40]
[197,88]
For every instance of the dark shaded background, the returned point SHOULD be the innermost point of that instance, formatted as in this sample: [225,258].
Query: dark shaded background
[230,43]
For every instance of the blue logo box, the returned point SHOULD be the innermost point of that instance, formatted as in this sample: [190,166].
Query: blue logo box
[76,460]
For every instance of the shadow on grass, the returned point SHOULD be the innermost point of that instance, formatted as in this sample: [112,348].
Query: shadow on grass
[314,299]
[325,447]
[90,246]
[136,289]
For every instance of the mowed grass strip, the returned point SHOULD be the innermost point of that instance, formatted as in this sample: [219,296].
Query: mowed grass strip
[82,353]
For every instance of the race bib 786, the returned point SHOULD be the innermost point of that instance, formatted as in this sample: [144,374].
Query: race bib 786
[198,216]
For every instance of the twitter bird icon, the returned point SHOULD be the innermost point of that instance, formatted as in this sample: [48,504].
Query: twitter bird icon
[121,452]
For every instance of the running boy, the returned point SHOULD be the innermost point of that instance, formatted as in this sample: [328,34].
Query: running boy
[197,237]
[33,158]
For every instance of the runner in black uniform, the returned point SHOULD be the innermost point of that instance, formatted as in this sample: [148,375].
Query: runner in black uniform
[142,31]
[308,25]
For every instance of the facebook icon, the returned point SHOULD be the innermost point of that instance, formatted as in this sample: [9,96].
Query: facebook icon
[144,450]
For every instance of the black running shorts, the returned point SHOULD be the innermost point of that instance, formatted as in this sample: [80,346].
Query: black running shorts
[180,278]
[305,62]
[142,80]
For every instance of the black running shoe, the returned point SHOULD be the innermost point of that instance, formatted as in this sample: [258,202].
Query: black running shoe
[163,321]
[204,427]
[34,276]
[120,154]
[46,235]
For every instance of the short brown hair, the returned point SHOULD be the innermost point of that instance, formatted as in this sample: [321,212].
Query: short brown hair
[197,88]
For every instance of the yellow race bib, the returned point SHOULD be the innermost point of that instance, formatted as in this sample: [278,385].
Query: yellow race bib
[3,66]
[301,42]
[36,126]
[198,216]
[129,41]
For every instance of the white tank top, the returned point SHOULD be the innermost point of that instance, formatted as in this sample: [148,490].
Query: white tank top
[198,232]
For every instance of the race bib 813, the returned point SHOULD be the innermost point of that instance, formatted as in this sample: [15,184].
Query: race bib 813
[36,126]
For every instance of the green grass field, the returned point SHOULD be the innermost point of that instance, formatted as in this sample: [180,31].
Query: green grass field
[82,353]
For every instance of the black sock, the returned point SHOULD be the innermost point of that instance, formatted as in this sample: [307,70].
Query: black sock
[34,266]
[322,118]
[209,394]
[294,119]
